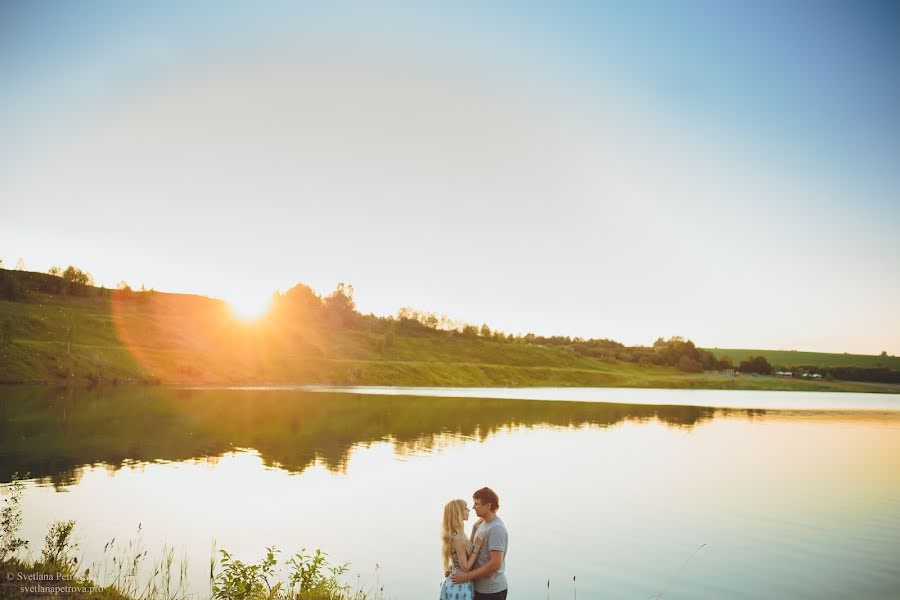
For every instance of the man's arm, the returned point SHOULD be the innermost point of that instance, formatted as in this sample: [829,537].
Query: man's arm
[491,566]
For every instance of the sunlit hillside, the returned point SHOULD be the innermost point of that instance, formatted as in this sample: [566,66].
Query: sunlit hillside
[60,331]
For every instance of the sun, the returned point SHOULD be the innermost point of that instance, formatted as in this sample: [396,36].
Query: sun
[250,307]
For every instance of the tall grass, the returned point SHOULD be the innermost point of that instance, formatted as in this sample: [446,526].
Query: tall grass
[125,571]
[122,573]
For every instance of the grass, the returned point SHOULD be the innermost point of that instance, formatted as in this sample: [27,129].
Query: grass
[154,337]
[121,573]
[793,358]
[126,573]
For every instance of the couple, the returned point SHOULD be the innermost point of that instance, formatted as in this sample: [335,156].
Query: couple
[480,557]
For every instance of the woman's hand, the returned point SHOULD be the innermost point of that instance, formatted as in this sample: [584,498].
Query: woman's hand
[475,526]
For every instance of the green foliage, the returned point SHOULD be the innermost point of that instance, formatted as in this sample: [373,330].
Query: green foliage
[11,520]
[792,359]
[340,307]
[300,303]
[60,546]
[689,365]
[680,353]
[10,286]
[470,331]
[73,274]
[756,364]
[312,574]
[306,339]
[310,577]
[240,581]
[871,374]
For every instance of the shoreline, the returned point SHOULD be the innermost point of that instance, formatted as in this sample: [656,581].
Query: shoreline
[708,382]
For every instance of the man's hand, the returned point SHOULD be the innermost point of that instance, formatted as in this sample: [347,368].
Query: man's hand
[460,577]
[493,565]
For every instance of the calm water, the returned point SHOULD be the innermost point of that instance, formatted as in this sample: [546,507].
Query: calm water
[789,503]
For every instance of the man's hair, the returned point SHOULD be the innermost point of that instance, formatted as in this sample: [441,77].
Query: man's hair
[488,496]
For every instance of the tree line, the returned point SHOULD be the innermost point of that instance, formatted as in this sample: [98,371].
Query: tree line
[16,285]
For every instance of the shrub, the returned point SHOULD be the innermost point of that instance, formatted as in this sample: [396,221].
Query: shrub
[689,365]
[10,287]
[59,546]
[311,577]
[11,520]
[756,364]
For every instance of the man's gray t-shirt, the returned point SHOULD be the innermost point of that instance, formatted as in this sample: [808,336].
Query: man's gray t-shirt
[496,539]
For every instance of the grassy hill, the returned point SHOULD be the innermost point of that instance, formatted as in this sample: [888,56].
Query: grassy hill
[170,338]
[61,334]
[793,358]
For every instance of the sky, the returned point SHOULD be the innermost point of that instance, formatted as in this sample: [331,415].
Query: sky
[727,172]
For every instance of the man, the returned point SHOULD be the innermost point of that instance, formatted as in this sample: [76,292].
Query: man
[488,571]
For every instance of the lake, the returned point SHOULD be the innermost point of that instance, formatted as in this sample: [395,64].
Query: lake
[696,494]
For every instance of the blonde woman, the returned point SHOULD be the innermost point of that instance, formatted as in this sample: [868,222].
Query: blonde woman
[456,551]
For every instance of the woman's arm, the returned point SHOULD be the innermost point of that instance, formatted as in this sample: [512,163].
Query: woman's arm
[462,553]
[471,558]
[474,529]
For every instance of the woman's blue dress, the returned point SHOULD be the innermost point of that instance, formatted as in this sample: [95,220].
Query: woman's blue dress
[456,591]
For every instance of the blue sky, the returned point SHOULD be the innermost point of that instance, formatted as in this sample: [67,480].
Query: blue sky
[625,170]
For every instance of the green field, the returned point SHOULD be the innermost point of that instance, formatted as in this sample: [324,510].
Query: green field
[103,337]
[793,358]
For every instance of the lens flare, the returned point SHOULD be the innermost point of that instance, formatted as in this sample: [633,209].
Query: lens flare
[193,339]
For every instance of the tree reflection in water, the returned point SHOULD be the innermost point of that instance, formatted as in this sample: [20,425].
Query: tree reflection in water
[54,433]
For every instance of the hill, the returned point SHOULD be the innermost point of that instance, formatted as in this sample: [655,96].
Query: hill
[57,331]
[793,358]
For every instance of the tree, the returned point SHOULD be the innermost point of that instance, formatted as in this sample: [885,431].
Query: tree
[469,331]
[55,271]
[485,330]
[300,303]
[20,264]
[689,365]
[756,364]
[73,274]
[340,306]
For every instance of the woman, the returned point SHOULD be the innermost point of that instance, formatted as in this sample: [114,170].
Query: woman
[458,555]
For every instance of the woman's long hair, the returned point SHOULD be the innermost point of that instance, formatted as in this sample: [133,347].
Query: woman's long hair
[451,526]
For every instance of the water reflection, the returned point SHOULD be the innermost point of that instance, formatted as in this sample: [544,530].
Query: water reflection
[53,434]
